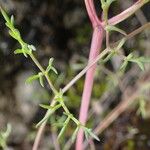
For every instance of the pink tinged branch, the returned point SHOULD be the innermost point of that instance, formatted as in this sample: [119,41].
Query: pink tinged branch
[92,13]
[126,13]
[94,51]
[96,43]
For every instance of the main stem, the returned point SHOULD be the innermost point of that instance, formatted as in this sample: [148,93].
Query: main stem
[96,43]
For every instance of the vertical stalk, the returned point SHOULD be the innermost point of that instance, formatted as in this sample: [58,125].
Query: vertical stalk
[96,43]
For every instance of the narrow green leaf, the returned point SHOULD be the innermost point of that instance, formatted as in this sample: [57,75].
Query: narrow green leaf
[46,106]
[32,78]
[54,70]
[5,15]
[8,131]
[41,79]
[138,62]
[74,135]
[141,110]
[141,65]
[58,124]
[13,35]
[51,61]
[108,57]
[17,33]
[48,68]
[124,65]
[64,128]
[93,135]
[32,47]
[18,51]
[9,25]
[109,2]
[129,57]
[86,134]
[21,51]
[12,20]
[49,113]
[114,28]
[121,43]
[144,59]
[59,96]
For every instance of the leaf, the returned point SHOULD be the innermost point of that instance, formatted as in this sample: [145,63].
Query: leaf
[7,132]
[110,2]
[59,96]
[46,106]
[50,67]
[41,79]
[51,61]
[49,113]
[17,34]
[64,127]
[129,57]
[4,136]
[57,124]
[21,51]
[88,133]
[108,57]
[54,70]
[114,28]
[18,51]
[144,59]
[121,43]
[141,110]
[32,47]
[124,65]
[32,78]
[93,135]
[74,135]
[12,20]
[13,35]
[141,65]
[138,62]
[8,25]
[5,15]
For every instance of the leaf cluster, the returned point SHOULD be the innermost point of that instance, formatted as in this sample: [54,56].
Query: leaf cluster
[140,61]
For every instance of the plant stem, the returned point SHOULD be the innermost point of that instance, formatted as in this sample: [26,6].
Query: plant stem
[96,43]
[92,13]
[45,74]
[95,47]
[126,13]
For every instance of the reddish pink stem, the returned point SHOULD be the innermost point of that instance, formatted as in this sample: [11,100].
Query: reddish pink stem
[95,47]
[96,43]
[126,13]
[92,13]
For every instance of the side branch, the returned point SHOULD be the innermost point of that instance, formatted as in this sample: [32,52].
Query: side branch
[92,13]
[126,13]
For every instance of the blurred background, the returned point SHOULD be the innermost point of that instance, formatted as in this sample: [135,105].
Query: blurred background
[61,29]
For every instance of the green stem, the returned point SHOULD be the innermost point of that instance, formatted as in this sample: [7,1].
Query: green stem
[44,73]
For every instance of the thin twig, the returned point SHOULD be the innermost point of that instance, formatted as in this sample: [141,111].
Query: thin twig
[126,13]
